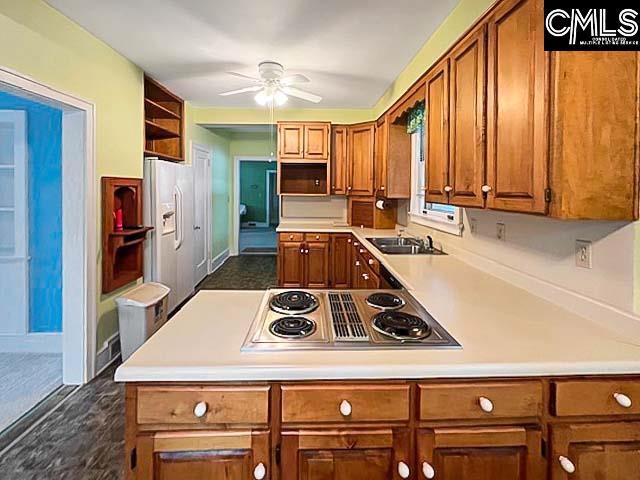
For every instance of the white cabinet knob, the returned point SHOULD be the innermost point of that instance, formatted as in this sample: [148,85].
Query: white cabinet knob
[200,409]
[427,470]
[485,404]
[306,250]
[403,470]
[345,408]
[356,244]
[365,276]
[260,471]
[317,237]
[302,250]
[622,399]
[566,464]
[448,188]
[371,261]
[381,187]
[348,240]
[357,263]
[486,188]
[361,250]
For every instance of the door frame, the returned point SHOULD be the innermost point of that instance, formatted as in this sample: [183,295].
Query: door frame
[269,173]
[208,211]
[235,210]
[80,233]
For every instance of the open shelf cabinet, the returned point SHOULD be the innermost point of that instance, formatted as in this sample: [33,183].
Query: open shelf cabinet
[163,122]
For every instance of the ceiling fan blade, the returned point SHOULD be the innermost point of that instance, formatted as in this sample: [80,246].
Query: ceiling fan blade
[291,79]
[246,77]
[296,92]
[241,90]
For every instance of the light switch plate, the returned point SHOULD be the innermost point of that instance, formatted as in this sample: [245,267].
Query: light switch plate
[583,254]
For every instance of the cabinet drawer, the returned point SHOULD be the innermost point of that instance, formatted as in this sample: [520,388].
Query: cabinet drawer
[228,405]
[345,403]
[316,237]
[476,400]
[596,397]
[291,236]
[371,261]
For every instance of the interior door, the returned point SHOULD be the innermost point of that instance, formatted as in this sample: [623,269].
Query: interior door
[201,205]
[14,261]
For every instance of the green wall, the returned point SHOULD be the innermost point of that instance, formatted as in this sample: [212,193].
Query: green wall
[253,192]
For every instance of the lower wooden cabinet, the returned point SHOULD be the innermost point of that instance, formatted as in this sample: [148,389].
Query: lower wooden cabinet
[203,455]
[595,451]
[316,265]
[291,264]
[303,263]
[341,260]
[368,454]
[480,453]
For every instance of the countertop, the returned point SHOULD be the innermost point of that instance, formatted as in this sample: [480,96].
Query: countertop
[504,331]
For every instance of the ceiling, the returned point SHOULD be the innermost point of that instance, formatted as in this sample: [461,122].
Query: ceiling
[351,50]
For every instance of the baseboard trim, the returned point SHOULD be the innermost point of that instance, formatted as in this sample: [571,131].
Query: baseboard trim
[108,353]
[216,262]
[610,317]
[31,342]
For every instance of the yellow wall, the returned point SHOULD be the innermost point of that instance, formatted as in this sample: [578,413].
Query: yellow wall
[37,41]
[256,116]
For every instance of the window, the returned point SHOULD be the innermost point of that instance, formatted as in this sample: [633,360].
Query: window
[446,218]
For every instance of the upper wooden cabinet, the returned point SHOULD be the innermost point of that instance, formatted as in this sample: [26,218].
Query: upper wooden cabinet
[339,160]
[360,147]
[304,141]
[392,176]
[163,122]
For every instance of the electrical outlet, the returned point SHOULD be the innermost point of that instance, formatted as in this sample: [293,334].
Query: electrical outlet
[501,231]
[473,224]
[583,253]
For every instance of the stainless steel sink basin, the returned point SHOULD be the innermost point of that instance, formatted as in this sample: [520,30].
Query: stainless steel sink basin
[403,246]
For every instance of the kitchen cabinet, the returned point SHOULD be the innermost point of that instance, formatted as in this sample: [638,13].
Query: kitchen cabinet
[360,147]
[290,140]
[316,264]
[316,141]
[480,453]
[303,261]
[591,451]
[339,160]
[392,177]
[203,455]
[291,264]
[341,260]
[303,141]
[516,136]
[346,454]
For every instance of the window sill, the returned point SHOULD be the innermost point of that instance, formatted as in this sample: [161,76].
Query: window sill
[447,227]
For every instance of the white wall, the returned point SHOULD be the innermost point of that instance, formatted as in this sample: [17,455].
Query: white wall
[545,249]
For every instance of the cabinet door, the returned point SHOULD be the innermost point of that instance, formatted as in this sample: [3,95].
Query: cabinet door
[317,264]
[341,261]
[339,160]
[487,453]
[360,146]
[290,140]
[344,455]
[202,456]
[291,264]
[356,272]
[381,152]
[516,136]
[603,451]
[437,133]
[316,141]
[467,116]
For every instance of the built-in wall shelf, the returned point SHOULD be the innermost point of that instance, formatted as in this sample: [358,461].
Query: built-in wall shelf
[163,122]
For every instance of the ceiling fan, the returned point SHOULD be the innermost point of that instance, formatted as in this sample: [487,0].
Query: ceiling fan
[273,87]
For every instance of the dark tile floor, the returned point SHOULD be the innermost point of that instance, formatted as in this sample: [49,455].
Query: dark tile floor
[83,439]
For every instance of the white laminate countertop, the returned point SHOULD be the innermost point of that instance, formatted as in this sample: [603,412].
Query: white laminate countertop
[504,331]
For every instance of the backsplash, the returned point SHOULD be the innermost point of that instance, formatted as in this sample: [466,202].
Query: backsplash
[313,209]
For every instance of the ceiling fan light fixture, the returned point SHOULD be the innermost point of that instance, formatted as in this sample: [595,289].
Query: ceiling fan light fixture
[279,98]
[262,98]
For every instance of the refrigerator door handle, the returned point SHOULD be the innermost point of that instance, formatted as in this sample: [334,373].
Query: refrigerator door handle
[179,233]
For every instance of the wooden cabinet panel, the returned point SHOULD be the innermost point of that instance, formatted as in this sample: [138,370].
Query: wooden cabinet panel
[595,397]
[321,403]
[224,405]
[516,134]
[467,117]
[291,264]
[341,260]
[437,133]
[491,453]
[361,161]
[442,401]
[594,144]
[344,454]
[202,455]
[380,159]
[317,237]
[291,236]
[291,140]
[605,451]
[316,264]
[339,160]
[316,141]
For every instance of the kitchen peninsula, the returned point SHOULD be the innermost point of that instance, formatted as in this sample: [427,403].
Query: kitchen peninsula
[531,386]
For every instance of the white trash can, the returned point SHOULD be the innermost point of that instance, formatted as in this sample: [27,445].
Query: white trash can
[141,312]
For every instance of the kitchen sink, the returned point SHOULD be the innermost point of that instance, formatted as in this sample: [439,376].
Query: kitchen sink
[403,246]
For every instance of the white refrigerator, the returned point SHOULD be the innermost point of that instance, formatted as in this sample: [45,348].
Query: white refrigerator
[168,207]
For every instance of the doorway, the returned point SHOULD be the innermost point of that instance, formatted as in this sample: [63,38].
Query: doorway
[47,244]
[202,201]
[258,207]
